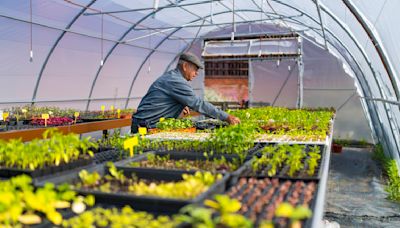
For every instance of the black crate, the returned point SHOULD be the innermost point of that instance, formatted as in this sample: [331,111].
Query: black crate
[124,164]
[50,170]
[145,203]
[282,172]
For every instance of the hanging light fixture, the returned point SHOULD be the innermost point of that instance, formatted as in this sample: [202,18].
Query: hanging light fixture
[31,33]
[233,21]
[102,40]
[211,12]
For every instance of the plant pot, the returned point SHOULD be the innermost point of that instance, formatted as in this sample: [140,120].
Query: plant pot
[337,148]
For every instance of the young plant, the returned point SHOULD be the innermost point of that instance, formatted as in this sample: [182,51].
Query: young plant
[21,203]
[312,162]
[125,217]
[224,209]
[295,214]
[53,151]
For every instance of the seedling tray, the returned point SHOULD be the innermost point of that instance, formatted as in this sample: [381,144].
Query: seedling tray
[109,155]
[250,153]
[209,124]
[125,164]
[260,196]
[282,172]
[146,203]
[50,170]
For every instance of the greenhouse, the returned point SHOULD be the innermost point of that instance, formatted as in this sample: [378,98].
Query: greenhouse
[207,113]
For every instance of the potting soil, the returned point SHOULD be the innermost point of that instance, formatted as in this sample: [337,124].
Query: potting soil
[355,192]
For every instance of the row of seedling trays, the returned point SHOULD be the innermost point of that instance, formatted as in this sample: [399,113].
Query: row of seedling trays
[132,181]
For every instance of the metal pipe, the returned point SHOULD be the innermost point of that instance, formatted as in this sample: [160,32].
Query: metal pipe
[218,24]
[111,51]
[373,36]
[382,100]
[151,8]
[321,22]
[53,48]
[70,100]
[86,35]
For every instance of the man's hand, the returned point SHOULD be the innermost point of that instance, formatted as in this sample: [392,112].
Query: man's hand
[186,111]
[233,120]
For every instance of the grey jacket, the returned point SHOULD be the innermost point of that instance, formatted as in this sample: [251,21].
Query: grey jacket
[168,96]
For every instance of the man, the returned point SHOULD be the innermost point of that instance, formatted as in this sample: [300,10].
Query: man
[171,94]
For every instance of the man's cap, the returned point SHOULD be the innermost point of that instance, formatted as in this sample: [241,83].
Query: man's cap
[189,57]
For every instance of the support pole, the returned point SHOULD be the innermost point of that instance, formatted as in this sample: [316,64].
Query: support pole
[301,72]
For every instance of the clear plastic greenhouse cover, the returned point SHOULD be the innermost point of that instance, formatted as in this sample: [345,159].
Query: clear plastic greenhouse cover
[85,53]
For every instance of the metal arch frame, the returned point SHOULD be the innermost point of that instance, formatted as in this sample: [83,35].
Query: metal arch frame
[77,33]
[377,44]
[338,21]
[370,110]
[113,48]
[315,30]
[53,48]
[352,37]
[166,38]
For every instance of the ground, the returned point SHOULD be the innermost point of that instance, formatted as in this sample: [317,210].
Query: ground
[356,196]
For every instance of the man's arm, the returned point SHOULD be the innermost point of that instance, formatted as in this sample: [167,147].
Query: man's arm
[184,94]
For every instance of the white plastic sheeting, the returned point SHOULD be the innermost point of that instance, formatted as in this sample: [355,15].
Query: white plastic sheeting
[68,47]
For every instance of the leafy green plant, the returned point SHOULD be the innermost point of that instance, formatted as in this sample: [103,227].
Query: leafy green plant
[299,124]
[21,203]
[314,157]
[190,187]
[164,162]
[392,171]
[53,151]
[224,209]
[295,214]
[274,158]
[125,217]
[172,124]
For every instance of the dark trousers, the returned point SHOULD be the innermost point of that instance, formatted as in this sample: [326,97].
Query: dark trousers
[136,123]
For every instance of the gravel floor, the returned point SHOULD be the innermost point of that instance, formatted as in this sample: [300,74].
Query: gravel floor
[356,196]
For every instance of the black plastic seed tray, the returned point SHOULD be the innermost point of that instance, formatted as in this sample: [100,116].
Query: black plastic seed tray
[250,153]
[109,155]
[283,171]
[11,172]
[209,124]
[260,197]
[147,203]
[125,164]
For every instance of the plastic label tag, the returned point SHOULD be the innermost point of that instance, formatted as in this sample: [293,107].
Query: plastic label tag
[119,113]
[130,143]
[112,108]
[4,115]
[76,114]
[45,116]
[142,131]
[162,119]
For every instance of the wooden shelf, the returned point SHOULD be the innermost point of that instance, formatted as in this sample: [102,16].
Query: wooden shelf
[29,134]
